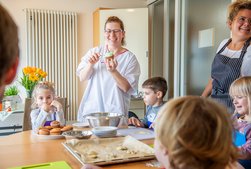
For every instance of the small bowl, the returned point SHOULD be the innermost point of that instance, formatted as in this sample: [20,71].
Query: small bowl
[77,134]
[105,131]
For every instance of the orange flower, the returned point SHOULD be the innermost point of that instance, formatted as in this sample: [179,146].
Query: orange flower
[31,76]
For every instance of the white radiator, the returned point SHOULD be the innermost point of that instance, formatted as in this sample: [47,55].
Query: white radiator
[52,46]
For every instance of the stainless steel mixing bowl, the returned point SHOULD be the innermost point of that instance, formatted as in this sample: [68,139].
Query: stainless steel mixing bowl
[103,119]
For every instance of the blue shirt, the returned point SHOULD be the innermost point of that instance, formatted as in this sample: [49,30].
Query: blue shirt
[151,114]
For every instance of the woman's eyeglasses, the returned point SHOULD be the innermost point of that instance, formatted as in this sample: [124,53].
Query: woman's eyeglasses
[116,31]
[242,20]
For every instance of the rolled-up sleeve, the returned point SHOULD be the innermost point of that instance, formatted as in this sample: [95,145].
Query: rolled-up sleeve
[83,62]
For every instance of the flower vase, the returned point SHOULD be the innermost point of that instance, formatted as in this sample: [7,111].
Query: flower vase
[29,93]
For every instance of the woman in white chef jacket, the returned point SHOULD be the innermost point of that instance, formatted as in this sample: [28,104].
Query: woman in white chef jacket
[110,82]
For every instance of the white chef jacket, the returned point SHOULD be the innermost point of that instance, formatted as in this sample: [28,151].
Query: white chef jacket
[102,93]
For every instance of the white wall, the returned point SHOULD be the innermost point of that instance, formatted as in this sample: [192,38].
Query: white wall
[84,8]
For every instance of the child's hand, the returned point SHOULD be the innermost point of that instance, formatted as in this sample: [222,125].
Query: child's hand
[136,122]
[89,166]
[57,105]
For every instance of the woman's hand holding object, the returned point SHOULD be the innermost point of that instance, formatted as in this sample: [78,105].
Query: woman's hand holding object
[94,58]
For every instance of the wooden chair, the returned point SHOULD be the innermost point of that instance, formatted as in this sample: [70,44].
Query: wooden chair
[27,110]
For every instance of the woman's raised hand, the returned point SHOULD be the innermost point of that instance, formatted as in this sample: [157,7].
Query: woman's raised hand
[94,58]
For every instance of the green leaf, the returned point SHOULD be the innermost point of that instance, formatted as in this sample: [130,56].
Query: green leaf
[11,91]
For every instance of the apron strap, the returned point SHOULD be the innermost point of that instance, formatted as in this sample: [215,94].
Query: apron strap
[54,115]
[244,49]
[223,48]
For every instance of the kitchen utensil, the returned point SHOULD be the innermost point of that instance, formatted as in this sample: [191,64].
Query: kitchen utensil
[105,131]
[103,119]
[77,134]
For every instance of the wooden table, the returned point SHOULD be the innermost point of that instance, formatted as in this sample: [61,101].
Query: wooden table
[25,149]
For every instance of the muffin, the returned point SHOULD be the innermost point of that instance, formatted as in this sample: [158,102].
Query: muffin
[55,131]
[109,56]
[55,124]
[43,131]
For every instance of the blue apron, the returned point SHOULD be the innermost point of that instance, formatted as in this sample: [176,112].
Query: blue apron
[48,123]
[223,72]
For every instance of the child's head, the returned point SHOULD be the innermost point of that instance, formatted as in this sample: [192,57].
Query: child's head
[9,50]
[194,132]
[154,90]
[240,91]
[43,93]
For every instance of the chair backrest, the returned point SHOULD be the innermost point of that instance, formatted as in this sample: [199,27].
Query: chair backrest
[63,102]
[27,110]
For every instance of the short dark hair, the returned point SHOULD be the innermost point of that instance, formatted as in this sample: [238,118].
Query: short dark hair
[8,41]
[156,84]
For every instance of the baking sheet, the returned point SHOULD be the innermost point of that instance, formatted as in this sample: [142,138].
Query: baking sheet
[109,150]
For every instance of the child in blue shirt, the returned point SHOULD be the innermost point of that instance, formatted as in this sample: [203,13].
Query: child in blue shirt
[154,90]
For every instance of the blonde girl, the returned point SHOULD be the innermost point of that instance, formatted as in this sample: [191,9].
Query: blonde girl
[194,133]
[240,91]
[45,108]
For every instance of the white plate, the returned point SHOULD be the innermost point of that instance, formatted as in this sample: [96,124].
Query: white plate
[49,137]
[81,125]
[105,131]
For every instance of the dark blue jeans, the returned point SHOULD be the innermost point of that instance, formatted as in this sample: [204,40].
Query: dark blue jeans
[245,163]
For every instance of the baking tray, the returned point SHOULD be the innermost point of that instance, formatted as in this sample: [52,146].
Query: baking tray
[109,150]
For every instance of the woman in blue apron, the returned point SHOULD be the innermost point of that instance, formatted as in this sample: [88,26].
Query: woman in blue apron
[224,71]
[233,57]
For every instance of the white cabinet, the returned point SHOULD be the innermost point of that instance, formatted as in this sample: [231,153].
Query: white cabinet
[136,27]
